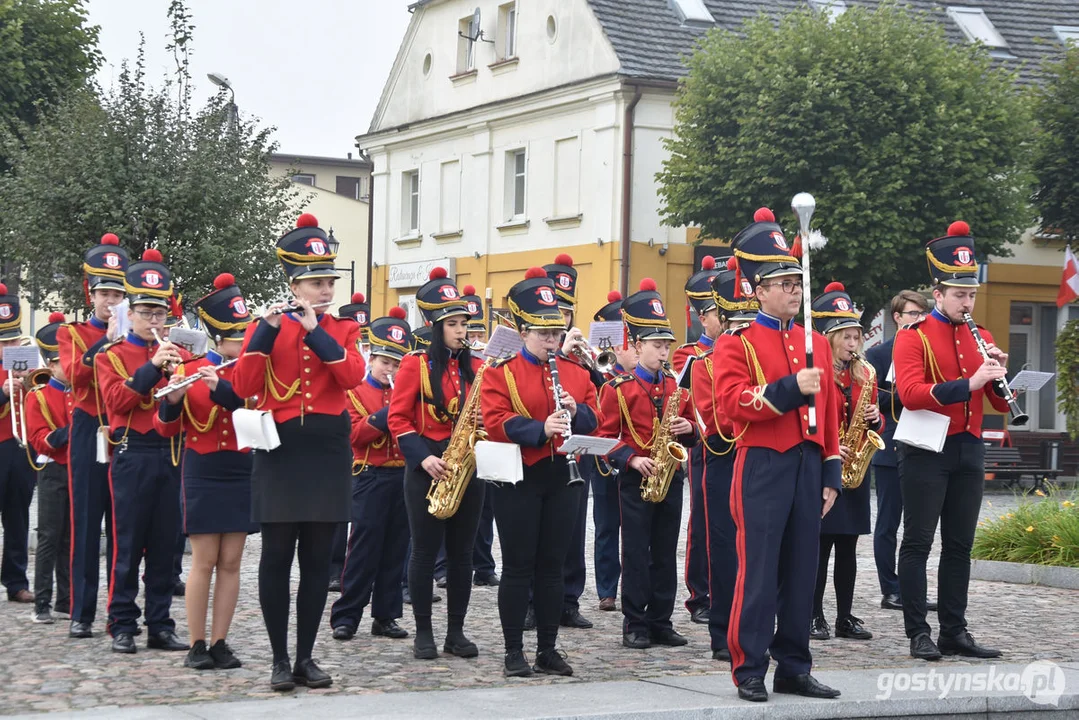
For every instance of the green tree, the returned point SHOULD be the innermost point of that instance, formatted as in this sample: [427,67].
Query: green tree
[137,161]
[895,131]
[1056,151]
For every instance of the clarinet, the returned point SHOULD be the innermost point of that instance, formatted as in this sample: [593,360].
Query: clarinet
[556,386]
[1019,418]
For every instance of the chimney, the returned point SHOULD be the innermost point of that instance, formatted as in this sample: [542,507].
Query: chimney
[350,156]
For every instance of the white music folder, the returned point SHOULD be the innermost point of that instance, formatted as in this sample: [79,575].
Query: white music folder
[499,462]
[923,429]
[587,445]
[255,429]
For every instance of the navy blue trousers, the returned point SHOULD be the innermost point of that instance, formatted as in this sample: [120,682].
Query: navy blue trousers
[776,505]
[146,521]
[696,570]
[889,514]
[91,500]
[376,548]
[17,480]
[483,560]
[649,554]
[606,518]
[573,573]
[340,549]
[722,557]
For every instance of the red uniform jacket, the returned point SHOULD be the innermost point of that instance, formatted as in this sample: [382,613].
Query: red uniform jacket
[628,410]
[205,417]
[369,409]
[128,380]
[79,344]
[757,388]
[848,396]
[683,353]
[517,399]
[48,417]
[716,428]
[6,404]
[934,360]
[293,372]
[413,416]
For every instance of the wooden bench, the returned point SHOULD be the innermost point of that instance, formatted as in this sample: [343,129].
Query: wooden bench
[1005,463]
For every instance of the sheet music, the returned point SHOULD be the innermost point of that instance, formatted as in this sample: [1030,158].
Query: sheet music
[123,322]
[194,341]
[687,373]
[601,334]
[22,358]
[1030,380]
[504,342]
[255,429]
[499,462]
[587,445]
[891,374]
[923,429]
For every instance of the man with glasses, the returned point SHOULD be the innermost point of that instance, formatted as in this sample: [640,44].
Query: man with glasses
[908,307]
[785,476]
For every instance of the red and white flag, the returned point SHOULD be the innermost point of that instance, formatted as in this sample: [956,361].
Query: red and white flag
[1069,283]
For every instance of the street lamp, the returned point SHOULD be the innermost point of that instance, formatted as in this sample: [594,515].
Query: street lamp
[334,245]
[223,82]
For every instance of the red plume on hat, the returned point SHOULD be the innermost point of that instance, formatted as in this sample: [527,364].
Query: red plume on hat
[732,263]
[152,255]
[534,273]
[224,280]
[563,259]
[397,312]
[468,290]
[648,285]
[437,273]
[834,287]
[958,229]
[358,298]
[110,239]
[56,317]
[708,263]
[306,220]
[614,296]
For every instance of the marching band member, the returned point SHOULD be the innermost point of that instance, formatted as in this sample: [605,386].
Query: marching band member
[360,311]
[216,475]
[785,477]
[145,483]
[718,461]
[300,363]
[90,495]
[939,367]
[379,538]
[48,419]
[430,388]
[535,517]
[698,298]
[483,561]
[605,510]
[16,475]
[175,319]
[632,407]
[564,276]
[835,318]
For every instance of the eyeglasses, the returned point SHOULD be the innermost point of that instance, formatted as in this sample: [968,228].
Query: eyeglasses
[915,313]
[787,285]
[152,314]
[548,333]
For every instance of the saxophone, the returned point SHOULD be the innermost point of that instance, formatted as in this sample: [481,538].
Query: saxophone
[445,494]
[862,441]
[666,454]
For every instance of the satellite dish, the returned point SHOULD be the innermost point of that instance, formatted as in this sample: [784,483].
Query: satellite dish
[475,30]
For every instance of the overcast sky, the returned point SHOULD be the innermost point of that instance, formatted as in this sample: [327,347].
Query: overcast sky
[314,69]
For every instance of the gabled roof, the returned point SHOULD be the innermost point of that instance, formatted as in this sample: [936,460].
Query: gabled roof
[651,40]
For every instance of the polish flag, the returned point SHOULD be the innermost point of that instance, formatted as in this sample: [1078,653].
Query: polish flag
[1069,283]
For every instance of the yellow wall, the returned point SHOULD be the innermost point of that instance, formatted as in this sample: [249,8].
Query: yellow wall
[1008,283]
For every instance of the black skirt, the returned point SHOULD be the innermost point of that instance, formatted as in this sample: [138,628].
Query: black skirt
[308,478]
[850,514]
[217,493]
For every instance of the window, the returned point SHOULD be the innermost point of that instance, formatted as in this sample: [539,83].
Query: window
[506,42]
[348,186]
[466,47]
[449,204]
[693,12]
[1067,33]
[304,179]
[515,184]
[833,8]
[410,203]
[977,27]
[567,175]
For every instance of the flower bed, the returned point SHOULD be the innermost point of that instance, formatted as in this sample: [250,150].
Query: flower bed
[1041,532]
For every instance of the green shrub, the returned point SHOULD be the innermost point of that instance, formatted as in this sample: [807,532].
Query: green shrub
[1043,532]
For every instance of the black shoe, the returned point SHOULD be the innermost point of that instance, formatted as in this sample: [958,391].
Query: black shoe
[41,616]
[306,672]
[753,689]
[281,678]
[335,585]
[669,637]
[891,601]
[223,657]
[406,596]
[459,645]
[80,630]
[931,605]
[344,632]
[423,647]
[636,641]
[804,685]
[198,658]
[574,619]
[487,580]
[851,628]
[517,665]
[922,647]
[388,628]
[963,644]
[820,629]
[441,583]
[530,618]
[723,655]
[700,616]
[124,643]
[166,640]
[179,589]
[552,662]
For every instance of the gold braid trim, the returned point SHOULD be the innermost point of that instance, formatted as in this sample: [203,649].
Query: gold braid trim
[934,369]
[628,420]
[298,259]
[218,325]
[44,405]
[764,258]
[78,349]
[273,382]
[955,269]
[102,272]
[534,320]
[515,396]
[830,314]
[715,423]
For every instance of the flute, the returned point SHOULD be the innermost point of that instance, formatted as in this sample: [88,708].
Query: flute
[291,307]
[187,381]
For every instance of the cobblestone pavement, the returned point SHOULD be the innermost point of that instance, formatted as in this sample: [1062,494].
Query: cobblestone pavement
[45,671]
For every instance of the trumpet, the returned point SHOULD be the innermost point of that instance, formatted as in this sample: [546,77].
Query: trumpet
[1019,418]
[168,367]
[605,358]
[188,381]
[293,307]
